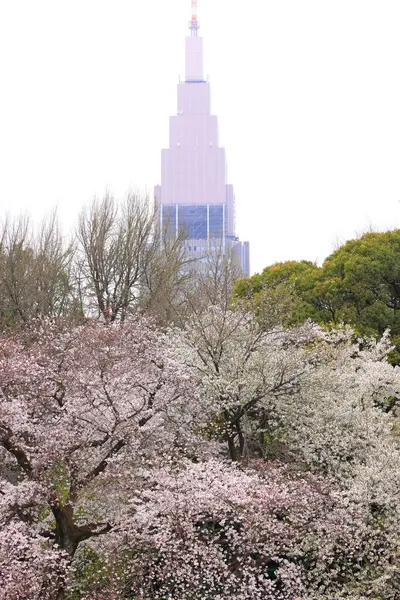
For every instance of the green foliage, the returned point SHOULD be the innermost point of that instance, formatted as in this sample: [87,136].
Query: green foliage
[91,573]
[286,287]
[59,478]
[94,573]
[358,284]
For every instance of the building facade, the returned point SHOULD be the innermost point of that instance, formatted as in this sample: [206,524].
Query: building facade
[194,198]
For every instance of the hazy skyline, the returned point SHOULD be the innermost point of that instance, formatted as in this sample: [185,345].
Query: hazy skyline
[307,95]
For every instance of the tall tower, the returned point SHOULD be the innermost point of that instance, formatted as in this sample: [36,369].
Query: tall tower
[194,196]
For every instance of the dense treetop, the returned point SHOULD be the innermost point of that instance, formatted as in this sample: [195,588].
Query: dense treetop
[358,284]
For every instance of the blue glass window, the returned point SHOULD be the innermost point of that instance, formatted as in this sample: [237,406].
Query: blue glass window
[192,221]
[216,221]
[168,221]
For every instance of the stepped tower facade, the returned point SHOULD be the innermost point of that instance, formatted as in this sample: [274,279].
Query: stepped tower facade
[194,196]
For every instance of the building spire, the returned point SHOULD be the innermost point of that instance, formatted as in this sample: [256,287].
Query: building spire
[194,23]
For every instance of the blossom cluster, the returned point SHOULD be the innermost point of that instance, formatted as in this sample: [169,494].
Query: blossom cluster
[219,461]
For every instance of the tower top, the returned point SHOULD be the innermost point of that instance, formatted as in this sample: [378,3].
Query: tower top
[194,23]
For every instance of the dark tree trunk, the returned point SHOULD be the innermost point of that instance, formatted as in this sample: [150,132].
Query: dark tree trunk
[69,535]
[65,529]
[232,447]
[241,438]
[61,594]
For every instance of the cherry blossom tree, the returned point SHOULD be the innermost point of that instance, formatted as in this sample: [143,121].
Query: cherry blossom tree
[243,370]
[323,394]
[78,409]
[137,464]
[30,566]
[211,530]
[321,398]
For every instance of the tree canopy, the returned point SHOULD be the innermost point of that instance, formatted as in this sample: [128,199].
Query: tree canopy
[358,284]
[220,460]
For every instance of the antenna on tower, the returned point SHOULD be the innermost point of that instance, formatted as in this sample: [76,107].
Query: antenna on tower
[194,23]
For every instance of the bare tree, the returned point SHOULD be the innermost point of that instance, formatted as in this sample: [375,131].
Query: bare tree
[114,247]
[125,263]
[35,270]
[166,280]
[210,281]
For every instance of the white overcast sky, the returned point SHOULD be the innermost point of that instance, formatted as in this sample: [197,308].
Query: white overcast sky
[307,93]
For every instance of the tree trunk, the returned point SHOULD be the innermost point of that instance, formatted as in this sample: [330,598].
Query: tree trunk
[64,529]
[61,594]
[232,447]
[241,439]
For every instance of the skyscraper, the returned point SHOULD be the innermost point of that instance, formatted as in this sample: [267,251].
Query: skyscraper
[194,196]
